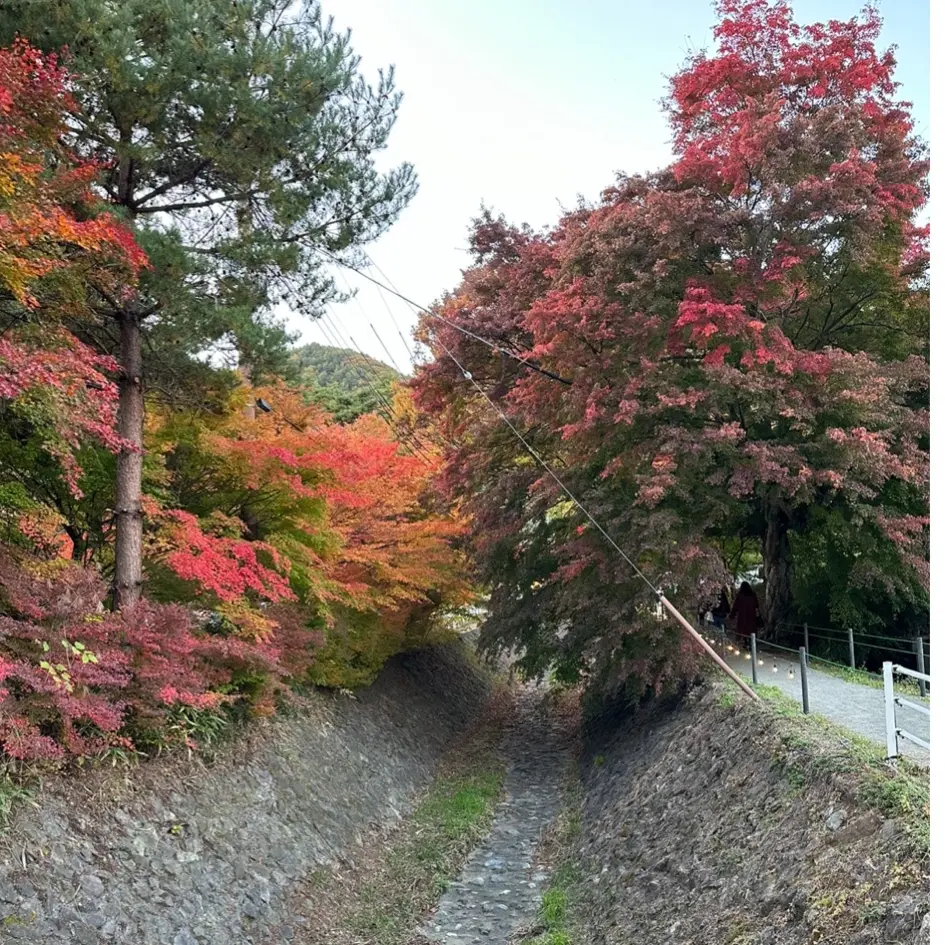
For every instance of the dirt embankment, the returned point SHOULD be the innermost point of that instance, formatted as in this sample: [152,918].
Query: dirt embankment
[713,821]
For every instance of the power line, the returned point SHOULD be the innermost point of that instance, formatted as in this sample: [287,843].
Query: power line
[492,345]
[368,362]
[537,457]
[353,294]
[390,312]
[685,624]
[388,418]
[382,397]
[327,323]
[384,407]
[380,339]
[335,340]
[411,352]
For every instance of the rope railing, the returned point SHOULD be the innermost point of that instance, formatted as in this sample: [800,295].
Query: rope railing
[737,647]
[832,641]
[860,634]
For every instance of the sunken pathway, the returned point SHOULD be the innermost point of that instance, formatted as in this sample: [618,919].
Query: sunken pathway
[500,890]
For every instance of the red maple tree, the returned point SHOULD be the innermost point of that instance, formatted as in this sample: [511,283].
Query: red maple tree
[741,341]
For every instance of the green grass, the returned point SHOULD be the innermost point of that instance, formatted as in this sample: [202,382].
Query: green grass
[454,816]
[11,795]
[861,677]
[815,749]
[556,911]
[554,915]
[554,907]
[728,697]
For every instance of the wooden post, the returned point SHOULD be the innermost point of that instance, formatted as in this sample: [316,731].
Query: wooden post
[688,627]
[852,652]
[920,664]
[806,641]
[805,695]
[754,659]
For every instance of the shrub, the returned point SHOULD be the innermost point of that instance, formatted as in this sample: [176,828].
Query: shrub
[77,680]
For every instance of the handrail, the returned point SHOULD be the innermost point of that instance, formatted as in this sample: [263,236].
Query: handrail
[910,672]
[924,709]
[893,730]
[902,733]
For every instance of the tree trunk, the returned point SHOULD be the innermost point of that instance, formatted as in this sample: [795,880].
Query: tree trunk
[776,556]
[79,544]
[128,532]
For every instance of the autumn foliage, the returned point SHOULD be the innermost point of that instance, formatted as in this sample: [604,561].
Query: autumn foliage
[279,549]
[303,551]
[307,552]
[335,519]
[733,355]
[742,343]
[80,681]
[57,249]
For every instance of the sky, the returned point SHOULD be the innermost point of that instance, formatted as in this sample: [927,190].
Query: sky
[522,106]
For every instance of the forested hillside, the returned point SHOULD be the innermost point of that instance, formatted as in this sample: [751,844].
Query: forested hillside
[345,382]
[342,368]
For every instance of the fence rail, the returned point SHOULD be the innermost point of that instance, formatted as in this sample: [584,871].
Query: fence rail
[894,731]
[855,642]
[856,699]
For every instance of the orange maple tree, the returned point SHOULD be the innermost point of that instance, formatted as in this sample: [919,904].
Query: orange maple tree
[288,514]
[58,252]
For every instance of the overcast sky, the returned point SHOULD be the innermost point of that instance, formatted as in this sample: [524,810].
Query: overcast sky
[522,105]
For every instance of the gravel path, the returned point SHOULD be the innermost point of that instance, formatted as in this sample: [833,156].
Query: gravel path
[857,707]
[500,890]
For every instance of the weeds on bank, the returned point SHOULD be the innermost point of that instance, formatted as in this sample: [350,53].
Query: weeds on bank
[451,820]
[813,749]
[454,816]
[556,912]
[11,795]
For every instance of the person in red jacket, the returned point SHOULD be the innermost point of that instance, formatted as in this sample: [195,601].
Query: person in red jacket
[746,611]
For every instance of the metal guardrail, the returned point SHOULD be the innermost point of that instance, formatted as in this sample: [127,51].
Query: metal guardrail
[894,731]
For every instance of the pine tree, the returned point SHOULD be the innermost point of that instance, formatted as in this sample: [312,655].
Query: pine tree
[239,140]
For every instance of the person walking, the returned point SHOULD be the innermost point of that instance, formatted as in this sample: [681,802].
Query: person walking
[721,610]
[746,612]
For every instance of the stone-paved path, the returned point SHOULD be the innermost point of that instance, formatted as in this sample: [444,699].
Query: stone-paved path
[860,708]
[500,890]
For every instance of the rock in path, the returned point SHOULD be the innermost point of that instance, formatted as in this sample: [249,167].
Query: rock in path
[500,890]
